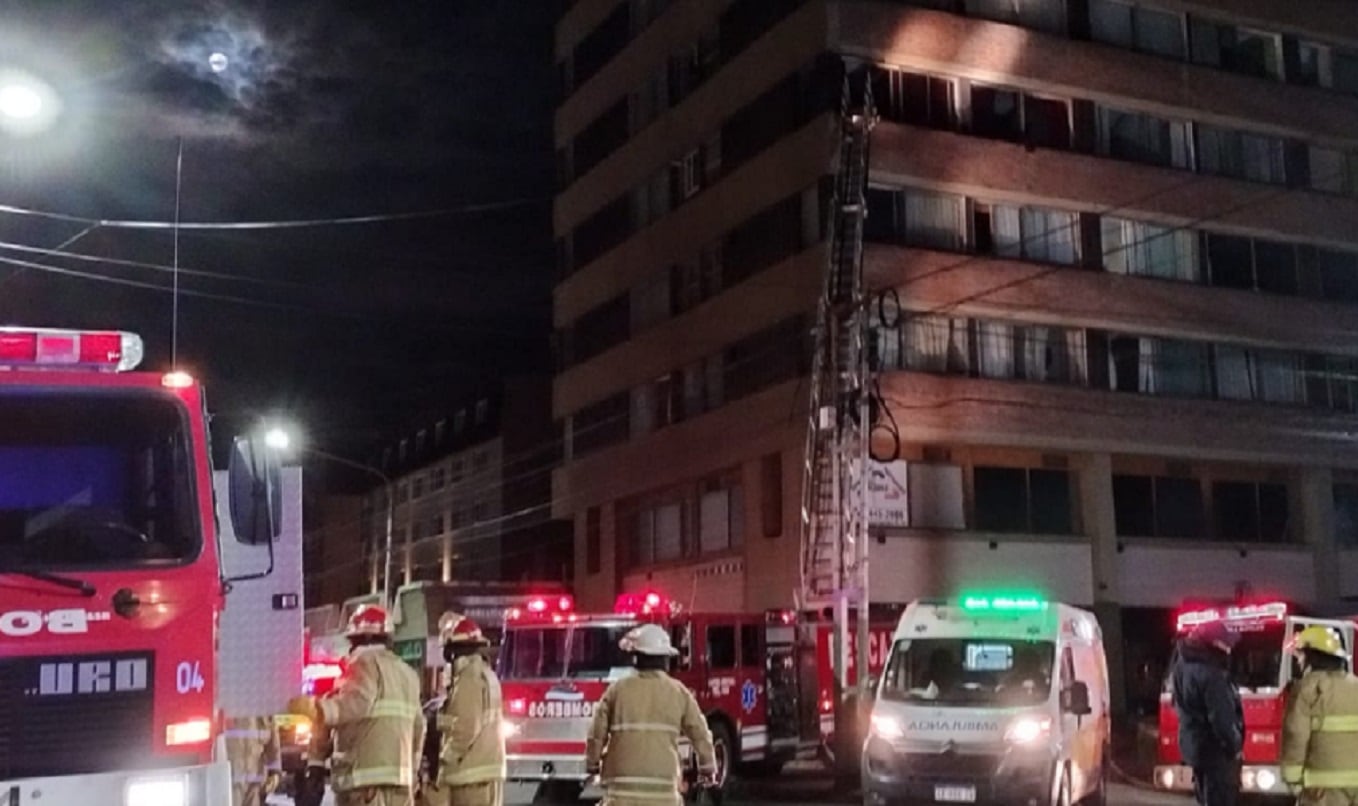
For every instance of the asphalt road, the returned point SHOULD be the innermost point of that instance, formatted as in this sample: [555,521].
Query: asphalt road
[805,795]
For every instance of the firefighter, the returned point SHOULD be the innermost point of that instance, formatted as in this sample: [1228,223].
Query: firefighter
[256,759]
[634,741]
[1320,731]
[374,718]
[471,762]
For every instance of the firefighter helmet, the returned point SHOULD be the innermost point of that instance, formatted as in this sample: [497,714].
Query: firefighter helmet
[1324,640]
[369,619]
[455,628]
[648,639]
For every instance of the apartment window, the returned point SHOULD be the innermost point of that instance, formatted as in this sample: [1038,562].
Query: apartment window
[1331,382]
[1240,155]
[766,358]
[1165,367]
[1039,15]
[599,139]
[915,218]
[650,101]
[602,231]
[593,541]
[402,493]
[601,45]
[936,344]
[1265,375]
[995,349]
[656,405]
[1159,506]
[1234,262]
[1338,274]
[1147,30]
[460,422]
[600,424]
[1247,511]
[1053,355]
[600,329]
[1239,50]
[720,517]
[1141,138]
[1147,250]
[765,239]
[922,100]
[1024,500]
[1034,233]
[771,495]
[1344,71]
[417,487]
[482,411]
[996,113]
[650,301]
[438,478]
[1332,171]
[1346,515]
[702,387]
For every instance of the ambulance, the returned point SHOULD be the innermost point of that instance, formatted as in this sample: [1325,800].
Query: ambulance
[991,697]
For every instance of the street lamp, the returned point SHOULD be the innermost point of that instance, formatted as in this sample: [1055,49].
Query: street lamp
[281,440]
[28,105]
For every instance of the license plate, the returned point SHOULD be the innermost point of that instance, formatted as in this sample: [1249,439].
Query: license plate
[955,794]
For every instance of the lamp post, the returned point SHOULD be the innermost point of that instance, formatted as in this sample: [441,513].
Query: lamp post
[280,440]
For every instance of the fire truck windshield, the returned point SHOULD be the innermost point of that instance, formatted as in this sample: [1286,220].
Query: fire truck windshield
[966,671]
[94,480]
[553,652]
[1257,661]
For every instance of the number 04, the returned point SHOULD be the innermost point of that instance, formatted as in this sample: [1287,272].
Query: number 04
[188,677]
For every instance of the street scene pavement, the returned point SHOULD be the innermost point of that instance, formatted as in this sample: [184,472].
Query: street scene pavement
[812,792]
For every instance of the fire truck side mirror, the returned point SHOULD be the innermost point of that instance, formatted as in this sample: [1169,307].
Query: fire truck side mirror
[255,490]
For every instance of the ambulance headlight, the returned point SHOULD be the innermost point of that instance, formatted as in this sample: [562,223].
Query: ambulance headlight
[1028,730]
[158,791]
[887,727]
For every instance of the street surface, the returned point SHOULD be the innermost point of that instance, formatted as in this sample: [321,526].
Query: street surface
[1119,795]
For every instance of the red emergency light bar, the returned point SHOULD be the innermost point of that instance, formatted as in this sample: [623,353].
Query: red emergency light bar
[47,348]
[556,609]
[1268,611]
[649,603]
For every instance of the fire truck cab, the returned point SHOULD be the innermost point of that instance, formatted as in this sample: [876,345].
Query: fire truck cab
[1262,669]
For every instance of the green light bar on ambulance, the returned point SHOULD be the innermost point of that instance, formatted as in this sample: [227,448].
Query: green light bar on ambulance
[1003,603]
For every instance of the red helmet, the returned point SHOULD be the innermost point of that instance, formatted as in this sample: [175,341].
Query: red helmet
[369,619]
[455,628]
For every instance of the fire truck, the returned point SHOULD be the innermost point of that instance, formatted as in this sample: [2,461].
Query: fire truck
[1262,668]
[113,584]
[764,680]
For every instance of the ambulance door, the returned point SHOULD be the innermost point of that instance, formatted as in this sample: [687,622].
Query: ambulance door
[782,684]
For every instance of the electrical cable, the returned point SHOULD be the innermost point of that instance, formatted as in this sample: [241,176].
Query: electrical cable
[57,252]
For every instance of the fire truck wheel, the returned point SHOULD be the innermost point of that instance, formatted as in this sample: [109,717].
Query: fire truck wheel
[723,747]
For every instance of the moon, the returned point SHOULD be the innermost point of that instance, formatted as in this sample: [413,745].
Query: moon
[218,62]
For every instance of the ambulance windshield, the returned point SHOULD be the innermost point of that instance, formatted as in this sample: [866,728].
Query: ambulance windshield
[969,671]
[94,480]
[554,652]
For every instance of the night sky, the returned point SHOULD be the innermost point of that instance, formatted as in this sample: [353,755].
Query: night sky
[325,109]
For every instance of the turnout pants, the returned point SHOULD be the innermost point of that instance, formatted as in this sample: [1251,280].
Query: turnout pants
[489,793]
[1328,797]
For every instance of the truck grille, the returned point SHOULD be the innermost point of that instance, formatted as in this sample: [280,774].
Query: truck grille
[65,715]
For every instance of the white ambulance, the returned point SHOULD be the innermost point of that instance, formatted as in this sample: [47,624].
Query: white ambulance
[991,698]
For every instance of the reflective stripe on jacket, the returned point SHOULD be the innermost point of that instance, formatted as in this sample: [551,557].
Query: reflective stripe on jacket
[634,738]
[251,748]
[473,750]
[1320,732]
[375,717]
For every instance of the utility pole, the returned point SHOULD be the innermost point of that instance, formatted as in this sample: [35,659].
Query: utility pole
[836,459]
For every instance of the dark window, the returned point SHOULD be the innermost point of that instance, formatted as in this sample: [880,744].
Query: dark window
[1338,274]
[1275,267]
[766,358]
[1249,512]
[600,424]
[1236,49]
[1346,515]
[765,239]
[1230,261]
[602,231]
[744,21]
[996,113]
[602,44]
[903,97]
[721,647]
[771,494]
[602,137]
[751,650]
[593,541]
[1179,510]
[1021,500]
[1144,29]
[602,328]
[760,123]
[1134,506]
[1046,122]
[1141,138]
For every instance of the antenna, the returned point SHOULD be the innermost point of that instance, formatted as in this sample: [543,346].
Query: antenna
[174,314]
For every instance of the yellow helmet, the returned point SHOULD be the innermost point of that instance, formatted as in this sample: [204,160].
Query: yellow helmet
[1320,639]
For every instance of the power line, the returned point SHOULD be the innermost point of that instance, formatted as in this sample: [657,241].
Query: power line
[58,252]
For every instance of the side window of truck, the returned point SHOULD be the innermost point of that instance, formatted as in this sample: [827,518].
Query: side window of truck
[721,647]
[1067,668]
[751,654]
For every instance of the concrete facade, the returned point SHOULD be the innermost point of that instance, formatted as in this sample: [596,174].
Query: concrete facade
[1096,396]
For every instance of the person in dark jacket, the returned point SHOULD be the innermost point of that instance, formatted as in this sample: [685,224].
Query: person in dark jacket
[1211,722]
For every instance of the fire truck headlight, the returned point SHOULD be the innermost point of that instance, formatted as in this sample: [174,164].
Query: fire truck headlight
[508,730]
[887,727]
[159,791]
[1265,780]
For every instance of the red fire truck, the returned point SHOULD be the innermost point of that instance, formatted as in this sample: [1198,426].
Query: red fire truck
[111,581]
[1261,668]
[763,679]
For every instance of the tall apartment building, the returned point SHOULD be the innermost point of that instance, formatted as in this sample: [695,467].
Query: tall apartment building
[472,494]
[1116,295]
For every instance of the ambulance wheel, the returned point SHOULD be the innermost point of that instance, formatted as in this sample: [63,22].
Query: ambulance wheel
[1061,788]
[1099,797]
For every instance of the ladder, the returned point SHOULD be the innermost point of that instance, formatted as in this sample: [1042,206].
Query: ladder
[834,497]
